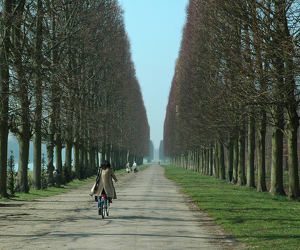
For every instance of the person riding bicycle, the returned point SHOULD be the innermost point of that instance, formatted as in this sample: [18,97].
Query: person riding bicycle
[104,183]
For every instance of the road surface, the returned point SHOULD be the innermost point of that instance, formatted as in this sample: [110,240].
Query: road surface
[150,213]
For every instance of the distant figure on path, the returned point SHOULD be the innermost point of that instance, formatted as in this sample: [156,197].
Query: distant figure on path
[134,166]
[128,167]
[55,173]
[56,177]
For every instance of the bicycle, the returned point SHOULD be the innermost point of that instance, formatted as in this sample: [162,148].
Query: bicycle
[103,205]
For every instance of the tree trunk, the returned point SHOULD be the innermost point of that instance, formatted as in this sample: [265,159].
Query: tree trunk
[103,152]
[23,139]
[58,156]
[76,158]
[241,166]
[50,152]
[68,156]
[217,161]
[207,152]
[70,105]
[211,161]
[91,157]
[4,93]
[251,149]
[24,128]
[54,104]
[203,152]
[81,159]
[58,141]
[85,161]
[97,163]
[200,160]
[278,91]
[261,154]
[113,158]
[37,137]
[235,161]
[293,122]
[221,161]
[108,152]
[251,126]
[292,116]
[37,157]
[262,68]
[277,156]
[230,155]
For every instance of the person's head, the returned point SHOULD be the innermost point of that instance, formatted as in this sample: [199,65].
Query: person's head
[105,165]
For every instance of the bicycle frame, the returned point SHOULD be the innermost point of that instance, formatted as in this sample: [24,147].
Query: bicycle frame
[103,205]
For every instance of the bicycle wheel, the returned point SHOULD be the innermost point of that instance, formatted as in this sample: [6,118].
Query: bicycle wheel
[103,209]
[99,206]
[107,207]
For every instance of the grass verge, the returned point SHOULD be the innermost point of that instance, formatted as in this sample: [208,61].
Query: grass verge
[50,191]
[259,220]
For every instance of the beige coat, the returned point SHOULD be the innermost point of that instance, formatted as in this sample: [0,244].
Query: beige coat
[105,182]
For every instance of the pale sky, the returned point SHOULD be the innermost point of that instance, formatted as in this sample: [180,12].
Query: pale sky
[155,31]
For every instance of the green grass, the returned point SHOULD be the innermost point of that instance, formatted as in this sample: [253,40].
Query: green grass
[259,220]
[50,191]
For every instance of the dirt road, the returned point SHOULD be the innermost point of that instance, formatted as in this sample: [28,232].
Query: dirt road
[150,213]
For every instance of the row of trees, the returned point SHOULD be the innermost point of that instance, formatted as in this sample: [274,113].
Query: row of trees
[67,80]
[151,154]
[237,74]
[161,156]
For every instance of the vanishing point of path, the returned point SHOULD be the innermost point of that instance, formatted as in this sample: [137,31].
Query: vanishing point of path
[150,213]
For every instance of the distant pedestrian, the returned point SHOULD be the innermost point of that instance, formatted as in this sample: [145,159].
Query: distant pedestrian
[56,177]
[134,166]
[55,173]
[128,167]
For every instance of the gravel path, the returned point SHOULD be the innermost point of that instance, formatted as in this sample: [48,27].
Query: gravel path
[150,213]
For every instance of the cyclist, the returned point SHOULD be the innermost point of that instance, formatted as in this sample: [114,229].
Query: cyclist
[104,183]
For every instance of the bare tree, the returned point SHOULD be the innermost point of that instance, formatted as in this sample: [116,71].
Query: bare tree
[37,137]
[4,92]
